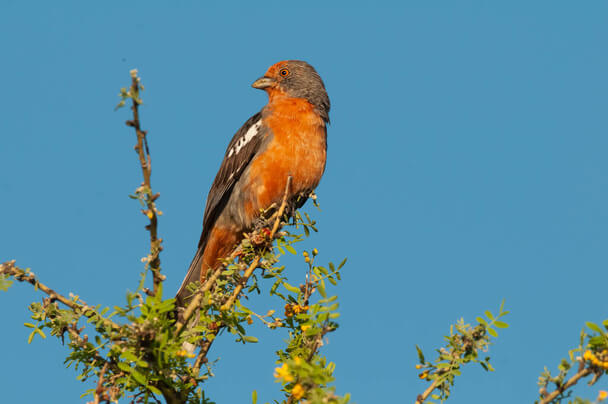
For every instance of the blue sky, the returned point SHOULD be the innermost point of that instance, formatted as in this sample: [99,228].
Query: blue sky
[467,164]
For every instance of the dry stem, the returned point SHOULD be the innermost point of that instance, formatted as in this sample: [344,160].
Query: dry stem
[426,393]
[584,372]
[9,268]
[255,262]
[195,303]
[146,167]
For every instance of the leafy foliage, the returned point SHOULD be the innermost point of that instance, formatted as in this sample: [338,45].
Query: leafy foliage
[593,362]
[464,344]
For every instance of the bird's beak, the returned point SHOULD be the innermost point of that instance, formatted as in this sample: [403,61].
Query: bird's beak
[263,82]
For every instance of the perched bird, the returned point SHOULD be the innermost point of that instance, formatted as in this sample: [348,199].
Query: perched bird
[288,137]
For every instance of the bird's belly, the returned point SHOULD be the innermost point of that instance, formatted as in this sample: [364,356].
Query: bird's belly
[301,158]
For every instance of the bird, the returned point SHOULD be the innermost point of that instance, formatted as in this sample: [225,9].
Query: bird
[286,138]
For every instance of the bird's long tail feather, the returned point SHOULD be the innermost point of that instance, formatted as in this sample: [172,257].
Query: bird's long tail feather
[193,275]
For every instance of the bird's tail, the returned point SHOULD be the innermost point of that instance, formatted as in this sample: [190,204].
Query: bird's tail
[193,275]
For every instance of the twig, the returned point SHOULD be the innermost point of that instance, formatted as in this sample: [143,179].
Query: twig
[100,389]
[426,393]
[571,382]
[255,262]
[9,268]
[202,354]
[196,301]
[315,348]
[141,148]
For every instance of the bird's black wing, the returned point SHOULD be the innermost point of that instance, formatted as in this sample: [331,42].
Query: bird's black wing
[242,148]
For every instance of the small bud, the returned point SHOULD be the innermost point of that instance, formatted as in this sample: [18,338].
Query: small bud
[315,251]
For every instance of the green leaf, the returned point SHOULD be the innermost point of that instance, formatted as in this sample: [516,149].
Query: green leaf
[39,332]
[321,288]
[342,263]
[492,332]
[254,397]
[594,327]
[129,356]
[420,354]
[154,389]
[249,338]
[124,367]
[31,337]
[480,320]
[28,325]
[291,249]
[139,378]
[605,323]
[290,288]
[489,315]
[5,283]
[501,324]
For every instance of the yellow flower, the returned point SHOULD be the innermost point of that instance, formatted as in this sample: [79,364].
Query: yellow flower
[419,366]
[424,374]
[305,327]
[184,353]
[602,395]
[288,310]
[283,373]
[298,391]
[249,320]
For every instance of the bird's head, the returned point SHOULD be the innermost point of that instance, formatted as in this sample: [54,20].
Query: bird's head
[295,78]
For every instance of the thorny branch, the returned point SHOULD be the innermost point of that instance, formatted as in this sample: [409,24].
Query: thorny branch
[100,390]
[142,150]
[426,393]
[255,262]
[9,268]
[582,372]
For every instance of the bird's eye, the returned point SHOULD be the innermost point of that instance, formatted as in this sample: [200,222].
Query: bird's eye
[284,72]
